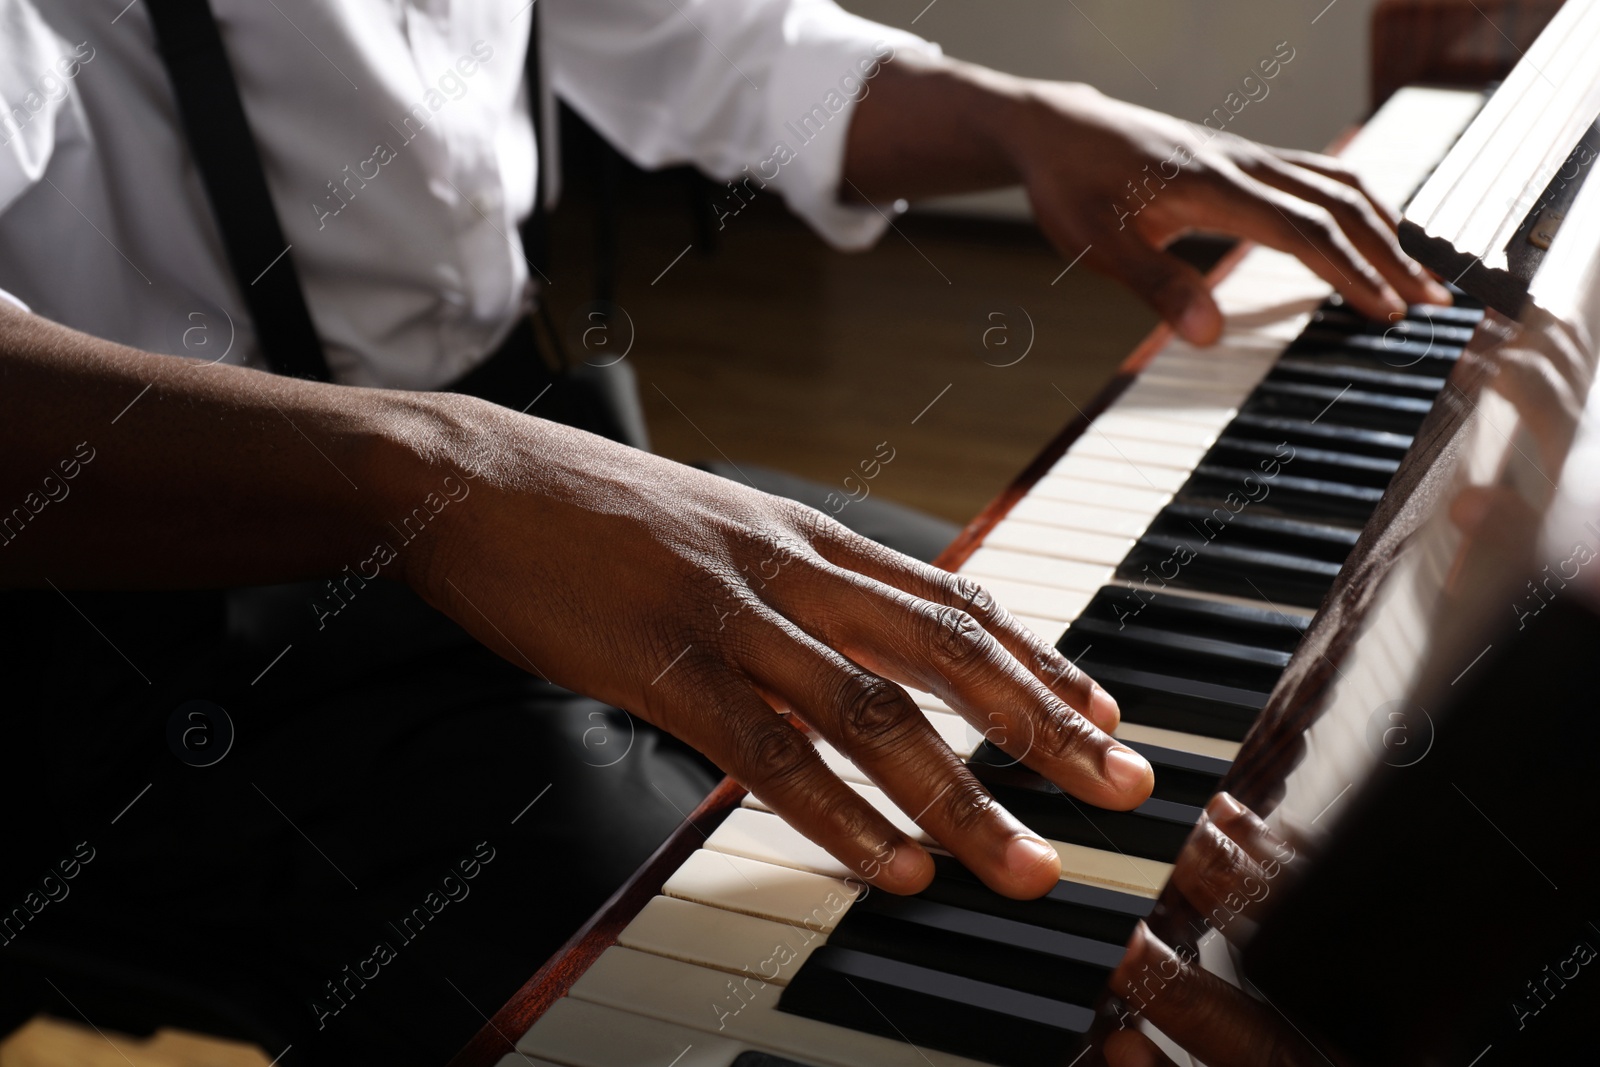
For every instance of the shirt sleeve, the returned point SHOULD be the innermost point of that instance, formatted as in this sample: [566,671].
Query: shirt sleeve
[758,93]
[35,70]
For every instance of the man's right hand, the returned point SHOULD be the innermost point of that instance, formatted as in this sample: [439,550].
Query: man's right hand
[704,606]
[709,608]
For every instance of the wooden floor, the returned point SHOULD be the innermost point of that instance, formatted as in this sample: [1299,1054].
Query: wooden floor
[776,350]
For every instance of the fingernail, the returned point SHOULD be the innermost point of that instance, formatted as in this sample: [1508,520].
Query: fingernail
[1126,769]
[1140,1053]
[1438,294]
[1224,806]
[909,865]
[1103,709]
[1025,852]
[1392,300]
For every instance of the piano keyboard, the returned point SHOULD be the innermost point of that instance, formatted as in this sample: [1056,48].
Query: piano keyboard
[1178,550]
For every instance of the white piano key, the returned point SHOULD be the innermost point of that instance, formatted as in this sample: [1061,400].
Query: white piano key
[781,892]
[872,795]
[1137,497]
[1138,450]
[947,723]
[1114,870]
[1038,600]
[582,1033]
[740,1010]
[1050,630]
[724,940]
[1066,545]
[1176,739]
[1084,569]
[1240,368]
[1079,863]
[839,763]
[1075,515]
[1120,422]
[1152,400]
[1206,386]
[1118,472]
[758,835]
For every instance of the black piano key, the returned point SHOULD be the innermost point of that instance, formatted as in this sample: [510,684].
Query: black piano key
[1411,358]
[935,1009]
[1466,313]
[1343,406]
[1001,951]
[1319,464]
[1174,702]
[1137,645]
[1182,693]
[1181,777]
[1319,540]
[1303,432]
[1241,570]
[1438,325]
[1288,495]
[1187,777]
[1251,555]
[1071,907]
[1413,353]
[1224,660]
[1154,830]
[1236,623]
[1340,374]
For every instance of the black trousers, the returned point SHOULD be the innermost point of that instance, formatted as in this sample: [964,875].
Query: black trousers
[310,815]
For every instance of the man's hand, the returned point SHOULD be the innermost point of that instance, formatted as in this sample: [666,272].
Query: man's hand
[1122,182]
[704,606]
[709,608]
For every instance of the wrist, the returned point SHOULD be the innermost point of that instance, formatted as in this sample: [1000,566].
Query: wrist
[419,460]
[1038,119]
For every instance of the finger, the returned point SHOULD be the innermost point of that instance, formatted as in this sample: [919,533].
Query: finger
[773,760]
[946,651]
[1329,167]
[1206,1016]
[1544,398]
[1130,1048]
[873,722]
[1370,233]
[1220,879]
[1234,201]
[1250,832]
[1494,515]
[1176,291]
[929,583]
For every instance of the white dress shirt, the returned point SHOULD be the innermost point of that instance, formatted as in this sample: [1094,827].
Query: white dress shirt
[398,151]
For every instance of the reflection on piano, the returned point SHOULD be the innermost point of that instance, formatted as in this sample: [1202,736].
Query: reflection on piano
[1278,554]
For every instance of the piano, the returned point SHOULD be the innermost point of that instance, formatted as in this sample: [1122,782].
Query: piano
[1290,557]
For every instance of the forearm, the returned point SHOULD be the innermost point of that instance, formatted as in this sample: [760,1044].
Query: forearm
[935,126]
[127,469]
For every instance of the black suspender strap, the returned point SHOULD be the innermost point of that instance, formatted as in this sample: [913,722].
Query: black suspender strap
[230,167]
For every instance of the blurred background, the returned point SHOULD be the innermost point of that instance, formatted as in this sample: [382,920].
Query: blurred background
[761,345]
